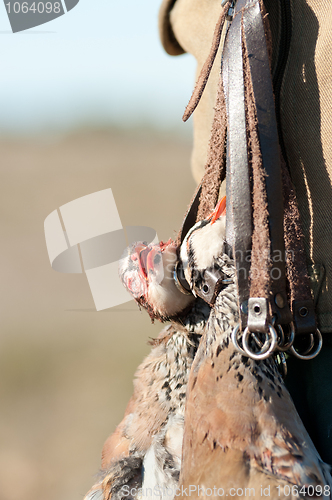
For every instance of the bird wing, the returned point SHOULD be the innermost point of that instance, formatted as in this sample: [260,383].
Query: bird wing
[159,388]
[241,425]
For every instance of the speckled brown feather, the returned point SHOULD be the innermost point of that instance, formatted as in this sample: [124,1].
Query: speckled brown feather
[241,426]
[159,392]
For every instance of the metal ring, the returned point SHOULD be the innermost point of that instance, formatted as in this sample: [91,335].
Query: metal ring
[262,354]
[315,353]
[289,344]
[264,347]
[234,340]
[177,281]
[312,343]
[280,333]
[291,336]
[281,338]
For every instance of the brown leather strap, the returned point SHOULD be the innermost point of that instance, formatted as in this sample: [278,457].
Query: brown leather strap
[269,144]
[238,189]
[206,69]
[299,283]
[207,193]
[255,185]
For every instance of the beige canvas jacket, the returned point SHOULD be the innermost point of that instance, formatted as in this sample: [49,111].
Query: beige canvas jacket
[304,102]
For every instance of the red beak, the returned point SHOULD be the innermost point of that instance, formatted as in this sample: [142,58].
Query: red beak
[141,252]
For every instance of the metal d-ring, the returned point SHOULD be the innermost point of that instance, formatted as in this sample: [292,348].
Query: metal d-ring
[307,355]
[264,346]
[234,340]
[280,333]
[281,336]
[180,282]
[291,338]
[312,343]
[263,354]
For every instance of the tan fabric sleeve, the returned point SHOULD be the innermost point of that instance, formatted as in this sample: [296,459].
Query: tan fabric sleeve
[306,115]
[306,120]
[167,37]
[193,23]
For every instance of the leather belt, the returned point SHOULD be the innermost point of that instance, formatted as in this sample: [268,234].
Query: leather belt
[248,21]
[261,203]
[238,211]
[269,142]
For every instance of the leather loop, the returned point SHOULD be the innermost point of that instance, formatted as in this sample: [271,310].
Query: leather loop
[257,314]
[304,316]
[210,285]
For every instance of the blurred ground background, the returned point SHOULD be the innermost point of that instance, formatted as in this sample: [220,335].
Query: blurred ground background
[88,101]
[66,370]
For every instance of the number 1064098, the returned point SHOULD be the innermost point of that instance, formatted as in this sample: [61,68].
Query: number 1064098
[304,491]
[35,7]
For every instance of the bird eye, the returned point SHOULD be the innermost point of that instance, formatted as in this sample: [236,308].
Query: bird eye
[157,259]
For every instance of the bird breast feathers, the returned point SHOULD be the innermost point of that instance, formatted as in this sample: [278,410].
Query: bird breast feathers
[208,242]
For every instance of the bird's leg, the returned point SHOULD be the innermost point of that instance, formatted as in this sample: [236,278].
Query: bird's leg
[219,210]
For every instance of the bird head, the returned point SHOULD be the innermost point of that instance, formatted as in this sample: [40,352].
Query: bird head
[203,244]
[147,271]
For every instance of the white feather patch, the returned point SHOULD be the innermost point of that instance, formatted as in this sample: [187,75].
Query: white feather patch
[208,243]
[164,296]
[158,483]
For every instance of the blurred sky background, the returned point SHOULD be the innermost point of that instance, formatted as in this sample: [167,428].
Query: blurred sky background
[100,64]
[84,105]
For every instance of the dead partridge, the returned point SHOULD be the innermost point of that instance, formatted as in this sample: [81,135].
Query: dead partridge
[147,271]
[242,434]
[144,453]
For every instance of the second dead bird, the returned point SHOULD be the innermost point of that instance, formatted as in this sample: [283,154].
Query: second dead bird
[241,426]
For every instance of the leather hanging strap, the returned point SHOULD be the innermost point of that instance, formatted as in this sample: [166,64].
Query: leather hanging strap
[261,204]
[206,69]
[207,193]
[255,41]
[299,283]
[268,185]
[238,189]
[246,36]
